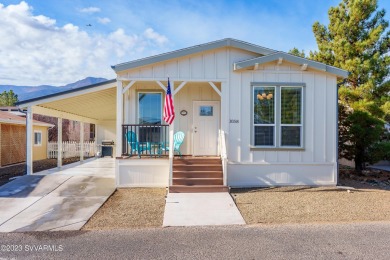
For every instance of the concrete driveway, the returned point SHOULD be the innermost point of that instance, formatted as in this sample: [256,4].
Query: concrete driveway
[54,200]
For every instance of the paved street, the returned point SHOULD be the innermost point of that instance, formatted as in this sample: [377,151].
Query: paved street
[320,241]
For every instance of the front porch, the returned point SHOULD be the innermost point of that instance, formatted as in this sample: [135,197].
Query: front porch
[147,159]
[140,104]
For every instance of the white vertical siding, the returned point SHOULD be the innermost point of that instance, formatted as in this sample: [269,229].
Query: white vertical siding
[245,132]
[314,164]
[319,117]
[207,65]
[184,68]
[309,112]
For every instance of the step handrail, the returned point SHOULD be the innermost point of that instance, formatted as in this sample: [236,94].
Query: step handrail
[223,152]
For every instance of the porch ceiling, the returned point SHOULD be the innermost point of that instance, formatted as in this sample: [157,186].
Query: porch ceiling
[99,105]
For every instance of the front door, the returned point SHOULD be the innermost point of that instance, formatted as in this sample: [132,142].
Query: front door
[205,127]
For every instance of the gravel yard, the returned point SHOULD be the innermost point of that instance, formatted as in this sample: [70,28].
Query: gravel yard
[130,208]
[367,199]
[307,205]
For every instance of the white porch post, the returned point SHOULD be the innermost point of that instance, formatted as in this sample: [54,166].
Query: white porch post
[96,140]
[81,141]
[29,141]
[59,142]
[119,119]
[225,114]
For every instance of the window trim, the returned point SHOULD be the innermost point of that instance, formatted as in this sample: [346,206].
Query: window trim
[274,124]
[38,132]
[150,92]
[280,120]
[278,125]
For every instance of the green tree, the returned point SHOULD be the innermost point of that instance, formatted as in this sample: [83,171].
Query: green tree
[357,39]
[296,52]
[8,98]
[360,138]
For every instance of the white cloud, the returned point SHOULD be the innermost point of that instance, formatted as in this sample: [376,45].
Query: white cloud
[104,20]
[154,36]
[90,10]
[35,50]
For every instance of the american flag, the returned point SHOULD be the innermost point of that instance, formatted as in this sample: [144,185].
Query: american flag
[169,110]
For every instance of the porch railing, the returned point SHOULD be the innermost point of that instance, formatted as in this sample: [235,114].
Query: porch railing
[145,140]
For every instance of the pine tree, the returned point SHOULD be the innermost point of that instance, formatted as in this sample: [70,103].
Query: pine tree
[357,40]
[296,52]
[8,98]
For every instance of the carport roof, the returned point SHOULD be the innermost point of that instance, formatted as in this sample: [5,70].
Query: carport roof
[92,102]
[23,102]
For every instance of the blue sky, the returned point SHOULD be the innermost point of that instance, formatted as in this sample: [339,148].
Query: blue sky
[48,42]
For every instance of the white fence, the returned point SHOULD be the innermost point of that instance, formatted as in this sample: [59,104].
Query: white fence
[71,149]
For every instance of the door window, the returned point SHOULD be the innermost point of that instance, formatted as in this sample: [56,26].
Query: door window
[206,111]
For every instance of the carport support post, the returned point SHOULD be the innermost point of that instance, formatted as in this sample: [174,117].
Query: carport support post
[29,141]
[81,141]
[59,139]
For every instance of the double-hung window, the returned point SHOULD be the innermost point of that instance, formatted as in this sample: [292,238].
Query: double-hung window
[277,115]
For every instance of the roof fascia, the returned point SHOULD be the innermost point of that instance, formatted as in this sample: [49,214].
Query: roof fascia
[291,58]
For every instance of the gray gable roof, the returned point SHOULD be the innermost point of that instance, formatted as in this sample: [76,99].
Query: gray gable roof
[75,90]
[228,42]
[291,58]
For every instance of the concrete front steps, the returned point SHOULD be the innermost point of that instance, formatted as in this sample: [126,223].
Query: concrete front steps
[192,175]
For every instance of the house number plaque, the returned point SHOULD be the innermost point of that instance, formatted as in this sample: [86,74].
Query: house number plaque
[234,121]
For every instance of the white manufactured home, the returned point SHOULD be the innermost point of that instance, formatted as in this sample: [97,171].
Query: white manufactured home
[262,117]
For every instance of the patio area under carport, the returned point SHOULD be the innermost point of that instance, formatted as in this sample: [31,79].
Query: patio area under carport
[93,104]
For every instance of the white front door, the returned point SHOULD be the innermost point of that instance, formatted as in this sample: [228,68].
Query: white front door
[205,127]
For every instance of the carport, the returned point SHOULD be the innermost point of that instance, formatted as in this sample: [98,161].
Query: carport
[94,104]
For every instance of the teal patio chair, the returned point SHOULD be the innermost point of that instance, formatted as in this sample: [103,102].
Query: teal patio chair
[135,146]
[178,139]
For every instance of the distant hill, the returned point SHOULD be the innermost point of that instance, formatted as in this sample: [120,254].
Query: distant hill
[28,92]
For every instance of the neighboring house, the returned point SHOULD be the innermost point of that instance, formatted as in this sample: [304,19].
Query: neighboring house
[277,113]
[70,129]
[13,138]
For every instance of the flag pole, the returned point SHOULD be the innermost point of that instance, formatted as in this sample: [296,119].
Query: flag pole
[171,131]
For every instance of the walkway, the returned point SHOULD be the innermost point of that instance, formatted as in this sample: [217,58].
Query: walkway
[201,209]
[56,199]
